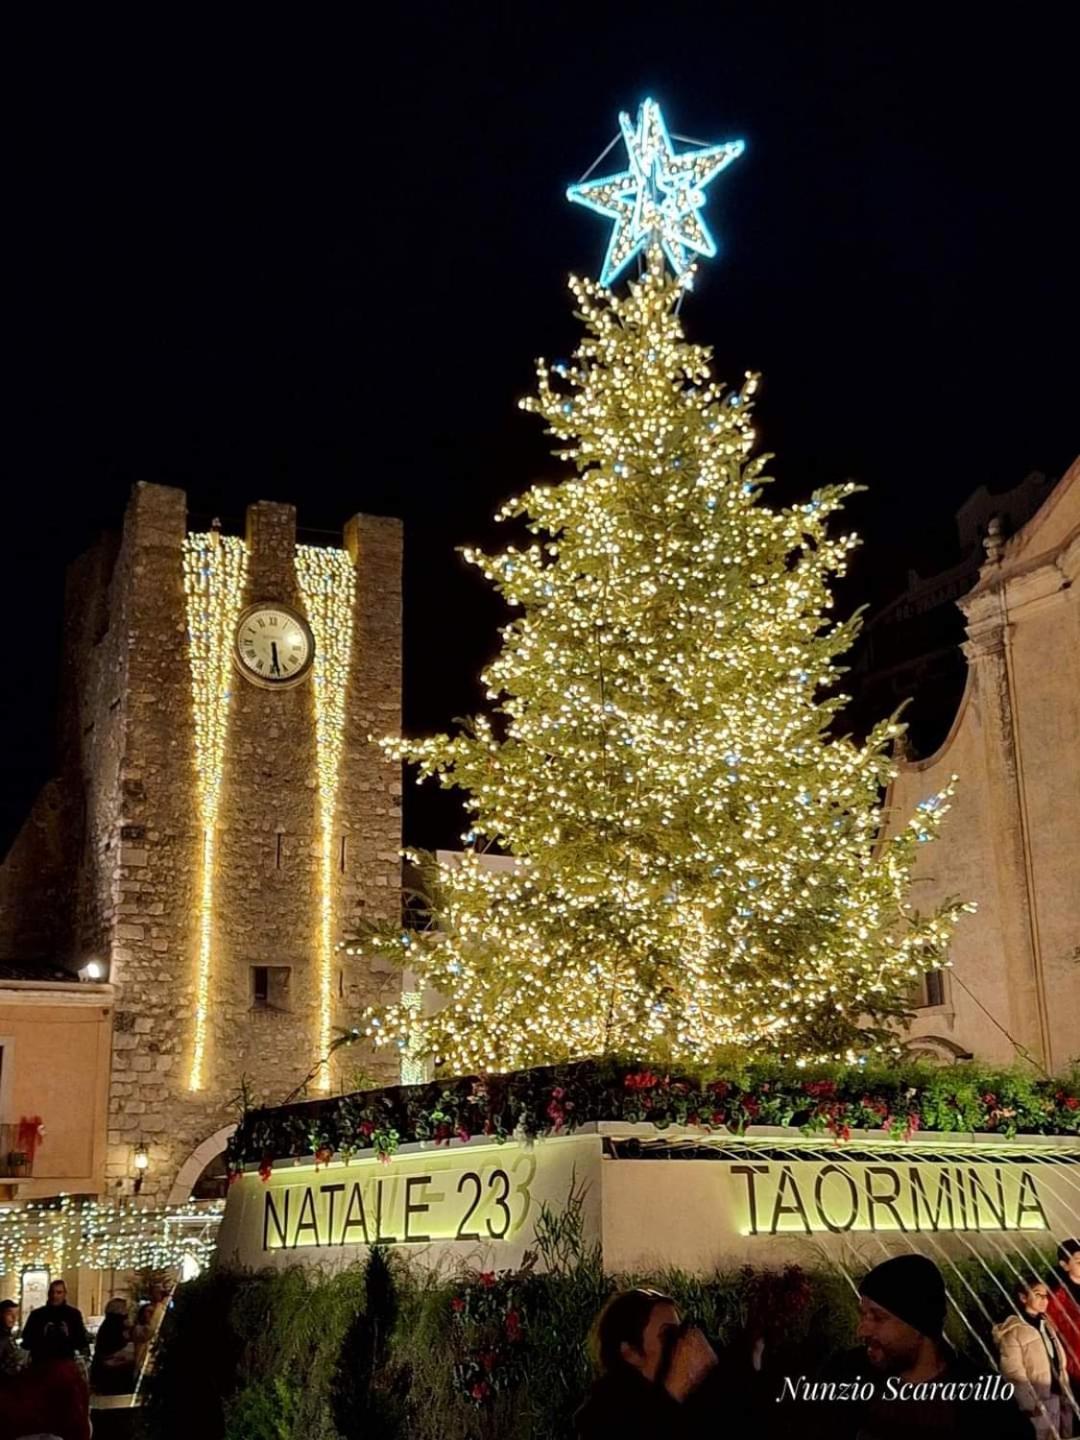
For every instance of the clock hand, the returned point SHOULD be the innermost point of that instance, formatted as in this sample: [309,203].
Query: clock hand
[275,668]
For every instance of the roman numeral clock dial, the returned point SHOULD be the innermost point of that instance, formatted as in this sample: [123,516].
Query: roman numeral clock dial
[274,647]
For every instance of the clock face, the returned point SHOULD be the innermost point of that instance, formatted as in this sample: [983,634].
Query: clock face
[274,645]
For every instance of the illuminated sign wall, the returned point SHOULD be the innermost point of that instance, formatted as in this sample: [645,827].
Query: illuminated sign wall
[832,1198]
[476,1202]
[764,1204]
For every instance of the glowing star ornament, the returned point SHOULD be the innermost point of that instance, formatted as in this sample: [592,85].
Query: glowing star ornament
[659,199]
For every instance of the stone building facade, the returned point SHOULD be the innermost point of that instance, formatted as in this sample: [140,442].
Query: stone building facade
[1011,842]
[116,840]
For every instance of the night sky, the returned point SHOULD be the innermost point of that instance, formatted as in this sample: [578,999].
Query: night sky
[315,264]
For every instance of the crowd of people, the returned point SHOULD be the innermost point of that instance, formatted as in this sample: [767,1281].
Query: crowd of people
[49,1372]
[658,1375]
[659,1378]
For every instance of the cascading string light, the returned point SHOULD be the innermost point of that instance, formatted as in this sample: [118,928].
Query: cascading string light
[215,572]
[699,859]
[106,1235]
[327,580]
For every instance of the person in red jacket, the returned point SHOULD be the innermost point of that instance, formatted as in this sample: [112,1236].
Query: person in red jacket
[49,1397]
[1064,1308]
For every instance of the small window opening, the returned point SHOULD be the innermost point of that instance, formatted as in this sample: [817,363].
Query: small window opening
[270,987]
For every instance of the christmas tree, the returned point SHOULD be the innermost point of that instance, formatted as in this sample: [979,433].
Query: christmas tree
[699,861]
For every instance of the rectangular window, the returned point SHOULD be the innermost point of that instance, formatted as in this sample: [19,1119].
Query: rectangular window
[935,987]
[270,987]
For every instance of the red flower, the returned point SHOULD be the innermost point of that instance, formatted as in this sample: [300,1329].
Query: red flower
[463,1134]
[487,1279]
[718,1118]
[556,1111]
[234,1175]
[266,1168]
[367,1129]
[989,1099]
[488,1359]
[457,1304]
[720,1088]
[442,1133]
[513,1326]
[1072,1103]
[820,1089]
[751,1106]
[480,1391]
[323,1155]
[642,1080]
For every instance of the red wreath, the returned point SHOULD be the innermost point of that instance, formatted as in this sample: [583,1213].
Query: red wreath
[29,1136]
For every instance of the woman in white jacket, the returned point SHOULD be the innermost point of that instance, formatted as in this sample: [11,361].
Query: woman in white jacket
[1033,1358]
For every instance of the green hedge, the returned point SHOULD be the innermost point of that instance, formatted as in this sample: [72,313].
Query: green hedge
[898,1099]
[388,1350]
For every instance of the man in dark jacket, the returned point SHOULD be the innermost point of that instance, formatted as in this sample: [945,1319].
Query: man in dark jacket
[56,1317]
[905,1380]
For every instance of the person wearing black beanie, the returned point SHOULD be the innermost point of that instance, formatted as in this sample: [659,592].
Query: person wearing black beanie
[902,1316]
[905,1380]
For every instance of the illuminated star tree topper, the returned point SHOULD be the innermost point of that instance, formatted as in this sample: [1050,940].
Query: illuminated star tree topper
[658,200]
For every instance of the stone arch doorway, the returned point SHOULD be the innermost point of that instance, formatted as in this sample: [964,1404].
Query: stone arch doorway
[935,1048]
[202,1165]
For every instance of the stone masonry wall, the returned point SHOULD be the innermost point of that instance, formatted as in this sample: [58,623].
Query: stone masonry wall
[369,797]
[1011,843]
[266,876]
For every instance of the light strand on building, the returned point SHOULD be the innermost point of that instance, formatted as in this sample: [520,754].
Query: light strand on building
[106,1235]
[215,569]
[327,579]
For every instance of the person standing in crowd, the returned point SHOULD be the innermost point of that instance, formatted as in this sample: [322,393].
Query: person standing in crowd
[112,1371]
[656,1373]
[1063,1310]
[12,1359]
[56,1314]
[901,1334]
[50,1396]
[1033,1358]
[142,1332]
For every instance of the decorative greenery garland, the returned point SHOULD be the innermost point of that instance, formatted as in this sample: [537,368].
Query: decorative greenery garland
[899,1100]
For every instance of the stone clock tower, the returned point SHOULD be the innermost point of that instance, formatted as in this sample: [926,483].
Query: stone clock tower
[230,813]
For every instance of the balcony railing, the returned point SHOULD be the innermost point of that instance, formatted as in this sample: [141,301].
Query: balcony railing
[15,1163]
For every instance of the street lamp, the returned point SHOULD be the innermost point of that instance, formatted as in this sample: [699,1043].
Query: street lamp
[141,1160]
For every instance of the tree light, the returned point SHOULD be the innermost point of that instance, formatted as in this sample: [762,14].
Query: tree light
[699,859]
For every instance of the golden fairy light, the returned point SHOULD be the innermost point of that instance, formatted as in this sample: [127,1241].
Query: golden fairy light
[327,579]
[215,568]
[107,1235]
[699,861]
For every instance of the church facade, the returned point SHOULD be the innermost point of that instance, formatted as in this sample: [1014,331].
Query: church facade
[1011,842]
[221,816]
